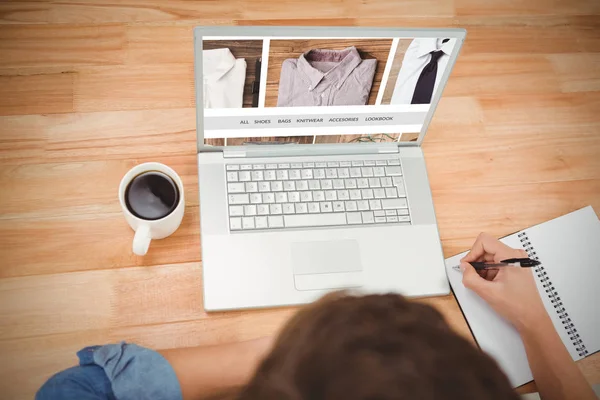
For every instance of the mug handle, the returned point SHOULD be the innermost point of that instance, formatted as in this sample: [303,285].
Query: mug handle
[141,240]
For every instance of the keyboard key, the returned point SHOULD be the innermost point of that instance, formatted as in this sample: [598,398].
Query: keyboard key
[258,166]
[288,208]
[370,163]
[330,195]
[285,165]
[355,173]
[355,194]
[380,213]
[378,171]
[391,219]
[379,193]
[270,175]
[308,165]
[350,183]
[306,174]
[386,181]
[262,209]
[294,197]
[301,185]
[374,182]
[313,208]
[248,222]
[338,183]
[271,166]
[331,173]
[351,205]
[402,211]
[379,220]
[232,167]
[251,187]
[301,208]
[375,204]
[264,186]
[258,176]
[296,221]
[362,183]
[296,165]
[319,173]
[306,196]
[261,223]
[288,186]
[354,218]
[394,203]
[268,198]
[275,222]
[276,186]
[235,224]
[281,197]
[363,205]
[393,162]
[245,167]
[250,210]
[343,173]
[244,176]
[389,213]
[404,218]
[338,206]
[282,175]
[343,195]
[236,188]
[255,198]
[399,183]
[326,184]
[275,208]
[319,195]
[236,211]
[326,206]
[314,185]
[367,217]
[320,165]
[239,199]
[333,164]
[295,174]
[345,163]
[232,176]
[393,171]
[390,192]
[367,193]
[366,171]
[380,162]
[357,163]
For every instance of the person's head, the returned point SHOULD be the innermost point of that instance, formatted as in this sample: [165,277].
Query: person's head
[373,347]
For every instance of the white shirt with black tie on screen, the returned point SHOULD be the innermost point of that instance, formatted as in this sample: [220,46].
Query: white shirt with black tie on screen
[224,77]
[417,56]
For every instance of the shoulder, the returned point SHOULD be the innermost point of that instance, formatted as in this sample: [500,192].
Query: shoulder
[88,382]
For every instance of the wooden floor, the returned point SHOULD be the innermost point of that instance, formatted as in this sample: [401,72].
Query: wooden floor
[90,88]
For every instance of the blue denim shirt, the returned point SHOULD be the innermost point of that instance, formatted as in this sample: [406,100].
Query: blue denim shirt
[114,372]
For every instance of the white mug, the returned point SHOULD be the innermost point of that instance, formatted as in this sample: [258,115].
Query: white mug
[146,230]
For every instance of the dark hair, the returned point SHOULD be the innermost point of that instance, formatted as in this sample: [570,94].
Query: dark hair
[376,347]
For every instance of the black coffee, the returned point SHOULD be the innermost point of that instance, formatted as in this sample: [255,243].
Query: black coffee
[151,195]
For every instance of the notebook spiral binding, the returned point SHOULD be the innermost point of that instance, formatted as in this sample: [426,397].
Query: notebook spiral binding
[544,279]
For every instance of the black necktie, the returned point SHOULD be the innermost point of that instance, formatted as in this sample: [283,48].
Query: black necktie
[426,81]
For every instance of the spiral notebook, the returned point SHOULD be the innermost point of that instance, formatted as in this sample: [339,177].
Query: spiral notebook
[568,280]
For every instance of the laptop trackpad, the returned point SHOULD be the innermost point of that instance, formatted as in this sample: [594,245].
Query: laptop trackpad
[331,264]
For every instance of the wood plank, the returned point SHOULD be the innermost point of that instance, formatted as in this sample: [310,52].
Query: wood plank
[35,139]
[54,45]
[578,72]
[153,44]
[535,7]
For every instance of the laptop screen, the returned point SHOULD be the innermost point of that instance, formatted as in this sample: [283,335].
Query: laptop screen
[285,90]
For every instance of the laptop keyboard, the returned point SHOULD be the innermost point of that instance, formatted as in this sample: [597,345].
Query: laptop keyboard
[314,194]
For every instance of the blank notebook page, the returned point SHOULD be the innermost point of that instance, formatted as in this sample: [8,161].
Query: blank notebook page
[567,248]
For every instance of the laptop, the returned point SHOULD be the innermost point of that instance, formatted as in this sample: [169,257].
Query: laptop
[311,173]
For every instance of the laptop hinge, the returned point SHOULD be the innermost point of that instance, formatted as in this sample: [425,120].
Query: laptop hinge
[310,150]
[234,153]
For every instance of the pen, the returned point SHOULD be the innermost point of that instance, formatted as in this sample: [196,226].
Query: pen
[510,262]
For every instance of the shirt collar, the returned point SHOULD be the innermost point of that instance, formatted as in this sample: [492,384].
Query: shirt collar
[216,63]
[427,45]
[347,59]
